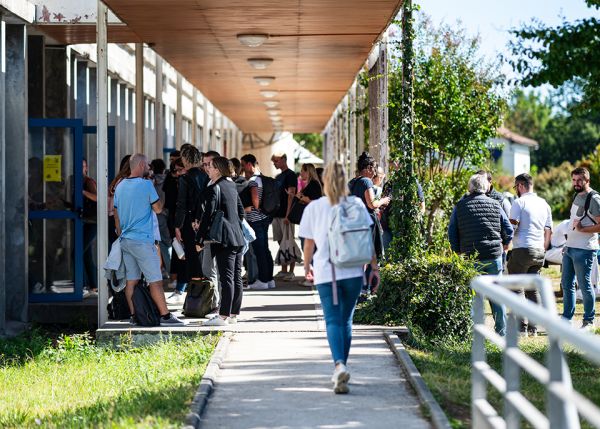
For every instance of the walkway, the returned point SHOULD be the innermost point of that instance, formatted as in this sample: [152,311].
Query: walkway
[276,372]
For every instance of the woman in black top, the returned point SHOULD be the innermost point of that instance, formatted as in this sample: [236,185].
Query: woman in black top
[221,194]
[189,195]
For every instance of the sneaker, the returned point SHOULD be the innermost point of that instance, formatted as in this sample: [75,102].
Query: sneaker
[587,325]
[271,284]
[281,275]
[89,293]
[215,321]
[132,321]
[212,314]
[232,320]
[258,285]
[172,285]
[564,319]
[340,379]
[290,277]
[171,321]
[307,283]
[38,288]
[175,298]
[533,332]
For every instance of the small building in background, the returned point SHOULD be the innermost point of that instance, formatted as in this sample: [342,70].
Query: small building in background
[513,151]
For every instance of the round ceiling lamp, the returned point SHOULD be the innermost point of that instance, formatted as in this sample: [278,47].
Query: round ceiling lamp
[264,80]
[268,94]
[273,113]
[252,40]
[260,63]
[271,103]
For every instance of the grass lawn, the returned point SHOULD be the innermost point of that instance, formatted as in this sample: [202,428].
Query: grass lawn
[72,382]
[447,372]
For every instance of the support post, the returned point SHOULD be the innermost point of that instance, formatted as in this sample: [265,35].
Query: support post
[139,98]
[15,172]
[205,129]
[352,139]
[360,125]
[178,114]
[3,315]
[194,117]
[102,154]
[159,125]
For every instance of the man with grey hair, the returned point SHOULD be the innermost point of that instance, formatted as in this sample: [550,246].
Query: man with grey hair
[479,226]
[135,200]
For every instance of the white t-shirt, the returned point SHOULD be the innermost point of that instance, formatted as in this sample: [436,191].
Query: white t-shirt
[583,240]
[534,216]
[314,225]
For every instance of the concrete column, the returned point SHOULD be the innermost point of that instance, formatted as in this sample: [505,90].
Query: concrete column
[3,252]
[15,171]
[179,114]
[213,129]
[360,125]
[159,124]
[131,143]
[221,134]
[194,117]
[378,111]
[113,118]
[122,121]
[139,97]
[92,119]
[352,136]
[80,82]
[102,154]
[205,128]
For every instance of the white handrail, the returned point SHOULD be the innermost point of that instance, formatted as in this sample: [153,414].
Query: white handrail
[563,403]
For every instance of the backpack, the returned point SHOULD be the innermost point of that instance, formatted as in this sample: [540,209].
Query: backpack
[146,312]
[201,298]
[586,206]
[117,307]
[350,237]
[271,195]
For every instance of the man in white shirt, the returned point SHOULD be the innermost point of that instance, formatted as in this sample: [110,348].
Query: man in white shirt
[532,218]
[581,247]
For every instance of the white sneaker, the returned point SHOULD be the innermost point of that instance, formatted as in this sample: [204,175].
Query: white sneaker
[212,315]
[587,326]
[340,379]
[271,284]
[215,321]
[258,285]
[38,288]
[175,298]
[232,320]
[172,321]
[290,277]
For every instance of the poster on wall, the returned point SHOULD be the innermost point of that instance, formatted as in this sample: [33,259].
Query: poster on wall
[52,168]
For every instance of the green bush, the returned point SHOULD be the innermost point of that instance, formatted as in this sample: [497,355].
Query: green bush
[554,185]
[430,294]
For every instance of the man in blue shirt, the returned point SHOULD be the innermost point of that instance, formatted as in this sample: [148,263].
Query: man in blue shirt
[135,200]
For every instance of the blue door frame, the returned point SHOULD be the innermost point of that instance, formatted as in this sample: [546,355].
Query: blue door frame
[78,130]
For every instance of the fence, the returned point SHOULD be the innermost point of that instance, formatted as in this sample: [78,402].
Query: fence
[564,405]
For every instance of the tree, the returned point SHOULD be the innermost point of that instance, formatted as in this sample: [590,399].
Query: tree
[528,114]
[313,142]
[565,54]
[456,112]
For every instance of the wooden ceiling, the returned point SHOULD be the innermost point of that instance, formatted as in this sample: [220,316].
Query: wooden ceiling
[317,46]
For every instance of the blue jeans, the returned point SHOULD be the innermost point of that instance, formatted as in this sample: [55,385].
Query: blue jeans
[494,267]
[338,318]
[264,260]
[578,262]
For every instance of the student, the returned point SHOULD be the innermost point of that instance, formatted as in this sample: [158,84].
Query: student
[338,317]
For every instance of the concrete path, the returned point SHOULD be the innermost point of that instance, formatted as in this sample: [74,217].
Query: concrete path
[277,369]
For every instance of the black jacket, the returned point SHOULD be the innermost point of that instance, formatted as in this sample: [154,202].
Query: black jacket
[233,212]
[192,187]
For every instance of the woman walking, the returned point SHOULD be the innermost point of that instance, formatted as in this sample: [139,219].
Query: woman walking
[314,228]
[222,195]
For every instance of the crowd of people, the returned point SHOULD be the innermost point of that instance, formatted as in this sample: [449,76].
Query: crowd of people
[484,223]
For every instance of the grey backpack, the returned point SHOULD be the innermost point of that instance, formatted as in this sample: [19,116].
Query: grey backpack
[350,237]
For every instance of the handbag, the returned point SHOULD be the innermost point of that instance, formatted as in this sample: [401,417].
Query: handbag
[201,298]
[215,231]
[296,211]
[288,249]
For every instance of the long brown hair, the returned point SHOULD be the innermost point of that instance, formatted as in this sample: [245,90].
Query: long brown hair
[335,183]
[124,172]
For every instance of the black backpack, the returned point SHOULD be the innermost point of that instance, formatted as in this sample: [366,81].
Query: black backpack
[146,312]
[117,307]
[271,196]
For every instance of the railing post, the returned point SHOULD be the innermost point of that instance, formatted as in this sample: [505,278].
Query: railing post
[478,382]
[512,371]
[561,414]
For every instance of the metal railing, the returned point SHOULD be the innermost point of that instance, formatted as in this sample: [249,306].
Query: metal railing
[564,405]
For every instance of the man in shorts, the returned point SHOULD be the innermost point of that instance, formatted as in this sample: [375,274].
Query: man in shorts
[135,199]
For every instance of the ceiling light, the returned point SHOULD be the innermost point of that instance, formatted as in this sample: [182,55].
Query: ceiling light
[268,94]
[260,63]
[252,40]
[273,112]
[271,103]
[264,80]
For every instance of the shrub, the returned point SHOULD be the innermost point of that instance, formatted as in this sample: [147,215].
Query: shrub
[430,294]
[554,185]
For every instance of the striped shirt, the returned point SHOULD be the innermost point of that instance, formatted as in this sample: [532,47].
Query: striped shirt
[255,215]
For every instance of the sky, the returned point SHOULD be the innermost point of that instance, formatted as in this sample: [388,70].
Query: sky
[493,18]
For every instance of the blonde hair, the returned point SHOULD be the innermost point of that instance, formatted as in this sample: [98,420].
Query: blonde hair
[335,183]
[312,171]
